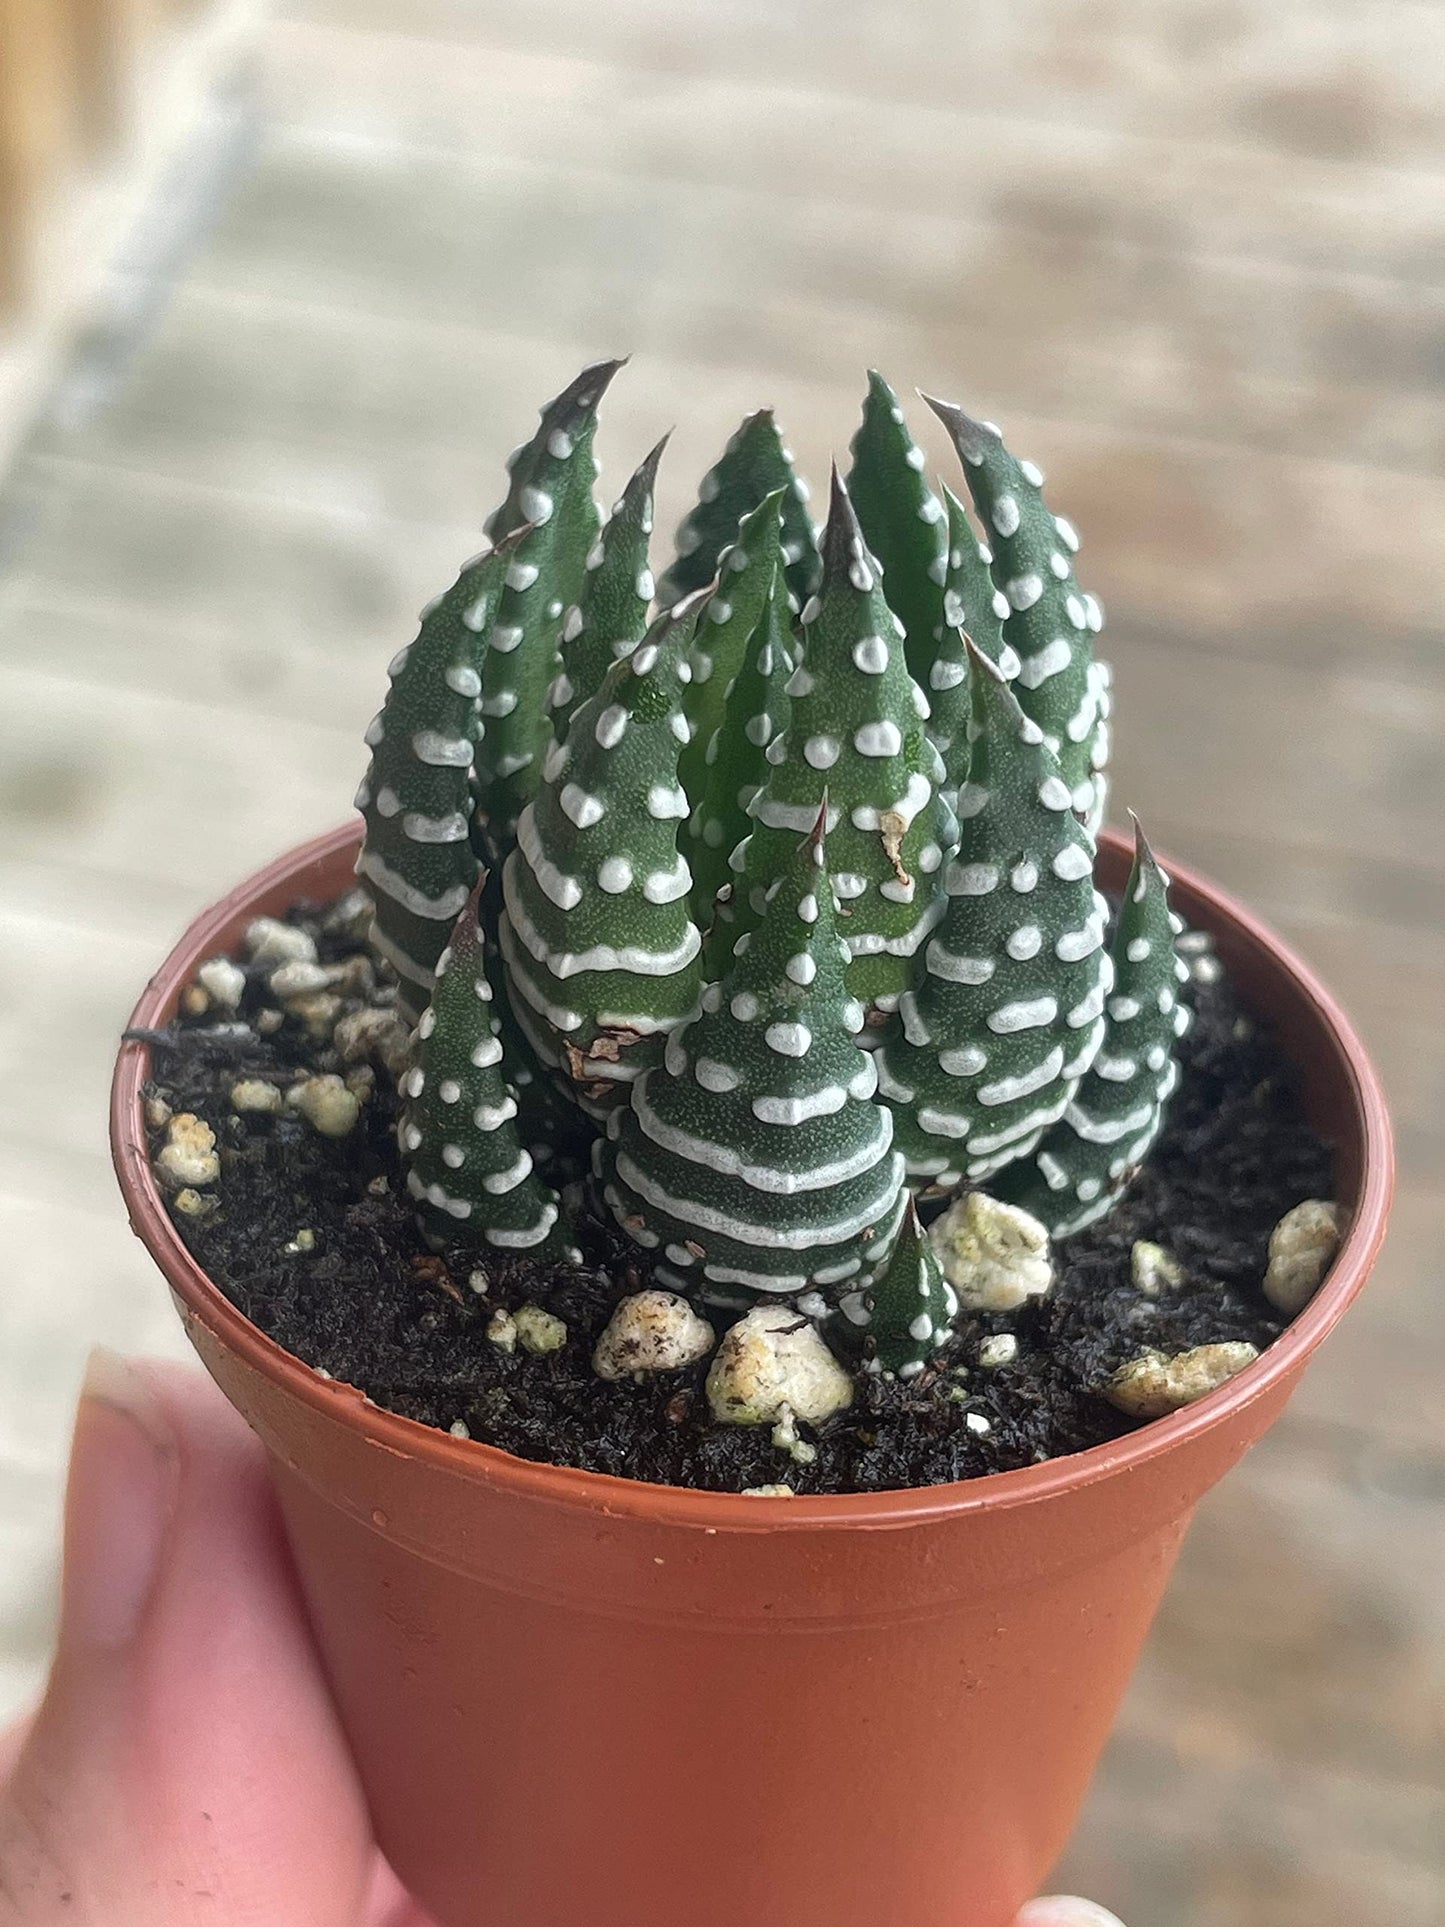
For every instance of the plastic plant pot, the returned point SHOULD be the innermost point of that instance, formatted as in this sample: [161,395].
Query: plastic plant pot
[576,1698]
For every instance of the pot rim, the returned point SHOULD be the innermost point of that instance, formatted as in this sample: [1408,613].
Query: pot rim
[571,1486]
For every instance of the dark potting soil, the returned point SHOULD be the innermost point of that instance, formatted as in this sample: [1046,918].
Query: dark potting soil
[314,1240]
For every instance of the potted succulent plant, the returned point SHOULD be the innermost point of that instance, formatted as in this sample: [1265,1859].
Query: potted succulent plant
[749,1232]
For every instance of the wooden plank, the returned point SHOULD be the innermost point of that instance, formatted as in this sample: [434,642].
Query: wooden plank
[466,222]
[1279,1754]
[1352,83]
[1068,183]
[422,394]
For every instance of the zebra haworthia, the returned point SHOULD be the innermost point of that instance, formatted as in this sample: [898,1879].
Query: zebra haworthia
[416,795]
[857,727]
[754,464]
[611,616]
[599,944]
[1083,1163]
[1007,1012]
[550,506]
[467,1168]
[753,1158]
[934,1010]
[1050,622]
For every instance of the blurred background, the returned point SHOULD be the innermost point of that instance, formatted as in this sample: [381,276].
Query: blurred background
[280,285]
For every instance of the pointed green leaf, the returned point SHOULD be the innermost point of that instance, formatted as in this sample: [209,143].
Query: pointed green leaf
[754,463]
[754,1154]
[735,765]
[1008,1013]
[415,797]
[902,520]
[601,953]
[727,622]
[550,500]
[973,610]
[912,1304]
[1083,1164]
[467,1168]
[610,617]
[857,726]
[1051,622]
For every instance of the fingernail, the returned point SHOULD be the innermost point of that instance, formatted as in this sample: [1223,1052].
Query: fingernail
[1067,1910]
[123,1470]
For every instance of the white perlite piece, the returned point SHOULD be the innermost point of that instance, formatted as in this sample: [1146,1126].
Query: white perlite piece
[994,1255]
[254,1094]
[298,979]
[326,1104]
[1154,1384]
[222,980]
[188,1157]
[1301,1249]
[785,1438]
[380,1036]
[502,1331]
[767,1492]
[773,1359]
[1154,1269]
[538,1331]
[651,1331]
[269,941]
[1001,1349]
[195,1204]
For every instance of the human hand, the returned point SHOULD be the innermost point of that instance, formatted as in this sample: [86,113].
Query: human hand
[186,1762]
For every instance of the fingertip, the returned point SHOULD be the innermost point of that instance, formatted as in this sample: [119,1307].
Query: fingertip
[1066,1910]
[195,1406]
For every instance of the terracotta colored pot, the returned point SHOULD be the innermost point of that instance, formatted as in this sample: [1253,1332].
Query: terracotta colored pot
[578,1699]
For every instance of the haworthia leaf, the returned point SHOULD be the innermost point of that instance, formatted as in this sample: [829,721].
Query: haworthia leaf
[1087,1158]
[856,727]
[1099,741]
[611,614]
[753,1155]
[728,620]
[601,953]
[902,520]
[1051,622]
[416,797]
[467,1168]
[735,765]
[970,600]
[1008,1013]
[754,463]
[973,610]
[550,499]
[912,1305]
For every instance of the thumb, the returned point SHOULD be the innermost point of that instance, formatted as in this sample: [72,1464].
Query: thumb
[185,1749]
[1065,1910]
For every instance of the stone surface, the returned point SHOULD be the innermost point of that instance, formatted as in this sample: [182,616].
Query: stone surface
[1302,1247]
[773,1360]
[994,1255]
[1153,1268]
[538,1331]
[188,1156]
[1155,1384]
[327,1105]
[269,941]
[651,1331]
[254,1094]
